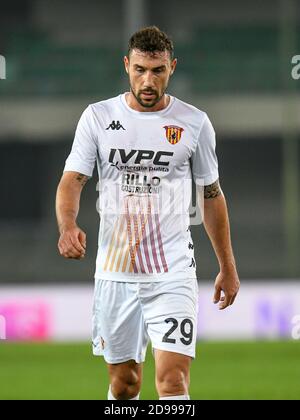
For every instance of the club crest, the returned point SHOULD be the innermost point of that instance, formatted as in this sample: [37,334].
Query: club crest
[173,133]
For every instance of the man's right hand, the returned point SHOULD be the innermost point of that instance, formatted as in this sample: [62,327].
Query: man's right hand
[72,243]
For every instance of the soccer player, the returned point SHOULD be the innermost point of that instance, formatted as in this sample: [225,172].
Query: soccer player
[148,146]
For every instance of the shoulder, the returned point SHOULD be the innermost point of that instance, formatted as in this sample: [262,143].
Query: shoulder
[98,112]
[105,105]
[190,112]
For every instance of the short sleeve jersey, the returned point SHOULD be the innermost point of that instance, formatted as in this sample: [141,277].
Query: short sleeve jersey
[146,162]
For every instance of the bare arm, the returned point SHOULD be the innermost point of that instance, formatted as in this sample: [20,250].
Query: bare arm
[72,241]
[216,223]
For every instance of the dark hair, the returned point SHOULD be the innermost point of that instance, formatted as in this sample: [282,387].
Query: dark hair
[152,40]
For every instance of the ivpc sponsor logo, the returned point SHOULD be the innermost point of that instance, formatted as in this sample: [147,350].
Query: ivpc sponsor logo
[2,67]
[2,328]
[296,68]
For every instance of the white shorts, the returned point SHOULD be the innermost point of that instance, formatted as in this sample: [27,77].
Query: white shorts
[129,315]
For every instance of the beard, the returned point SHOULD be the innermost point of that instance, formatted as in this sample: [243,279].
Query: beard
[148,102]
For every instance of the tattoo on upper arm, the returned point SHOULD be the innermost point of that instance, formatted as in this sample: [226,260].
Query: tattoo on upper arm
[82,179]
[213,190]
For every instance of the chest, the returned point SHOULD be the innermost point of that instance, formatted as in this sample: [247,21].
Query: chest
[149,143]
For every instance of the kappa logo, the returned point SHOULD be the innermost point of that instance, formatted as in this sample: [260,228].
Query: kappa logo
[115,126]
[102,344]
[193,263]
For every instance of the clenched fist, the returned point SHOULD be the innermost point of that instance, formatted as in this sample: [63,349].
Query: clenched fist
[72,243]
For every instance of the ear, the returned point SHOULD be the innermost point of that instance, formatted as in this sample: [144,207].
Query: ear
[126,64]
[173,66]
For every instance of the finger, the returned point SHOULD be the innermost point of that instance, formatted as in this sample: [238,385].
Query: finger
[62,248]
[226,302]
[217,295]
[76,244]
[68,248]
[233,299]
[72,256]
[61,251]
[82,239]
[59,248]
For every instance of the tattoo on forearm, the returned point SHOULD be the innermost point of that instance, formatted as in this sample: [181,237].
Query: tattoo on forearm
[82,179]
[213,190]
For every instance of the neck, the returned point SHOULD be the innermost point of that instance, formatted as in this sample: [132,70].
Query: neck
[134,104]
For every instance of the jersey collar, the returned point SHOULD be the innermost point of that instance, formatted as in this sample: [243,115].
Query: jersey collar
[146,115]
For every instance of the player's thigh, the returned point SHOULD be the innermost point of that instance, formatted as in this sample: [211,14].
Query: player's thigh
[119,332]
[172,367]
[171,317]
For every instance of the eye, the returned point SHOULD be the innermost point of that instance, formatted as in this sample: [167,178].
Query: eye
[158,71]
[139,69]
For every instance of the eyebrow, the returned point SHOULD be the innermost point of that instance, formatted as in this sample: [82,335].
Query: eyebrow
[155,68]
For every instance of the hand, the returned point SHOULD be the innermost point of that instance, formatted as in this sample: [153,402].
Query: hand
[72,243]
[227,282]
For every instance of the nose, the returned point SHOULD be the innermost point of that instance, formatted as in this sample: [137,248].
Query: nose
[148,80]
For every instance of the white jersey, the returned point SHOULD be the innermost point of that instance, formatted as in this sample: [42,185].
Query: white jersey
[146,161]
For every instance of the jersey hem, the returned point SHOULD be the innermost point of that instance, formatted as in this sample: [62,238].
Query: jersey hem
[147,279]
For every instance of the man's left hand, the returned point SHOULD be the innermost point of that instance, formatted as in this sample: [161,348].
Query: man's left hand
[227,287]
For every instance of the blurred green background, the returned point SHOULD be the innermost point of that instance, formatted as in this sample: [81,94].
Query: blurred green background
[223,371]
